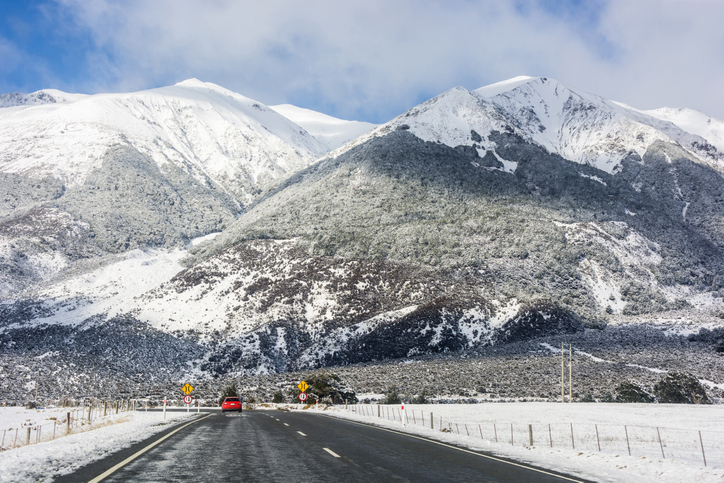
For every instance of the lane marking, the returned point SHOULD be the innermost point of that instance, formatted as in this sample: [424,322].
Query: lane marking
[123,463]
[285,424]
[331,452]
[301,433]
[461,449]
[276,418]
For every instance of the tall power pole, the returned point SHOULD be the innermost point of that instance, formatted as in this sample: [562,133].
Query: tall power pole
[570,373]
[563,383]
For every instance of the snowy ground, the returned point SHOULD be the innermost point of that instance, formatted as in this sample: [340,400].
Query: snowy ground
[46,460]
[678,427]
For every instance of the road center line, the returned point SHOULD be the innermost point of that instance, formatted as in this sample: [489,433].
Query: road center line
[123,463]
[285,424]
[331,452]
[301,433]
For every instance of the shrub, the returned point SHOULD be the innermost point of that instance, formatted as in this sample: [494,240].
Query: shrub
[278,397]
[630,392]
[680,388]
[391,396]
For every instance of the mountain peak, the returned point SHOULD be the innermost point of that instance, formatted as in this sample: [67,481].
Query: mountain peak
[194,82]
[504,86]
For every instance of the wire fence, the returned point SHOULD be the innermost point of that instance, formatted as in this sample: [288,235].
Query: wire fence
[699,447]
[92,414]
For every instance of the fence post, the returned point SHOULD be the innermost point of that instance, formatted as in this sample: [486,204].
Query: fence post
[702,448]
[432,421]
[628,445]
[466,430]
[37,435]
[378,410]
[15,442]
[573,443]
[550,435]
[496,432]
[511,434]
[660,444]
[27,437]
[54,425]
[481,431]
[3,442]
[67,424]
[598,440]
[530,433]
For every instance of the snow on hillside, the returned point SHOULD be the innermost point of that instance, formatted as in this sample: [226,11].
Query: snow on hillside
[330,131]
[45,96]
[695,122]
[198,127]
[578,126]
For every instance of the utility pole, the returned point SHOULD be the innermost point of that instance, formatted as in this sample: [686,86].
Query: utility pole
[563,384]
[570,373]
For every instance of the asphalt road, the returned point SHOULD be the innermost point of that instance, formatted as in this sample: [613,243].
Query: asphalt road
[270,445]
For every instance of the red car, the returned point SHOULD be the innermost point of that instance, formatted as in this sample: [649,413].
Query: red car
[231,404]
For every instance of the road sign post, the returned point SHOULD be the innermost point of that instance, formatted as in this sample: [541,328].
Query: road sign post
[188,399]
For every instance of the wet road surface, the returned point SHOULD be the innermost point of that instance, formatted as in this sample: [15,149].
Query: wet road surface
[271,445]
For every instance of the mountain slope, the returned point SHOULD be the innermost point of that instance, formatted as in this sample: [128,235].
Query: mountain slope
[578,126]
[153,168]
[521,210]
[475,179]
[200,128]
[330,131]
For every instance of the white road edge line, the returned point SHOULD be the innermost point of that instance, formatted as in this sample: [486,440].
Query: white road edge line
[331,452]
[123,463]
[301,433]
[460,449]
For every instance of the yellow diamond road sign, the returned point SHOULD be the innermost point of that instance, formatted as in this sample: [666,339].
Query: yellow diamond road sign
[303,386]
[187,388]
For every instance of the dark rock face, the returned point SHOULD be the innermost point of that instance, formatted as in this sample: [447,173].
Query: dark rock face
[539,319]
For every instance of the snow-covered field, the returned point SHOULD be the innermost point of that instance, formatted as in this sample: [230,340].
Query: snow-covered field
[678,427]
[46,460]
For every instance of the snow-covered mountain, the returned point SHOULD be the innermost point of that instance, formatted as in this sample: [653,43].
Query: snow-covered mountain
[330,131]
[201,129]
[154,168]
[578,126]
[517,210]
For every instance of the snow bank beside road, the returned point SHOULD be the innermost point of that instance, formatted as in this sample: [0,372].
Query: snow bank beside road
[587,463]
[45,461]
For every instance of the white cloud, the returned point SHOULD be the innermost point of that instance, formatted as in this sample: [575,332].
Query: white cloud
[374,59]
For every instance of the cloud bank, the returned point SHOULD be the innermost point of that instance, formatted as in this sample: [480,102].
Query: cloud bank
[373,60]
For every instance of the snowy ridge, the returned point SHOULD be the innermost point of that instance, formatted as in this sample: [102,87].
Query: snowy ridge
[199,127]
[578,126]
[45,96]
[694,122]
[330,131]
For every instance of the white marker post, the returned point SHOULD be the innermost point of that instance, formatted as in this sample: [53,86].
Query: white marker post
[164,408]
[403,416]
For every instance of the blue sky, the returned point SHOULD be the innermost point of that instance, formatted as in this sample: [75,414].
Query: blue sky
[368,60]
